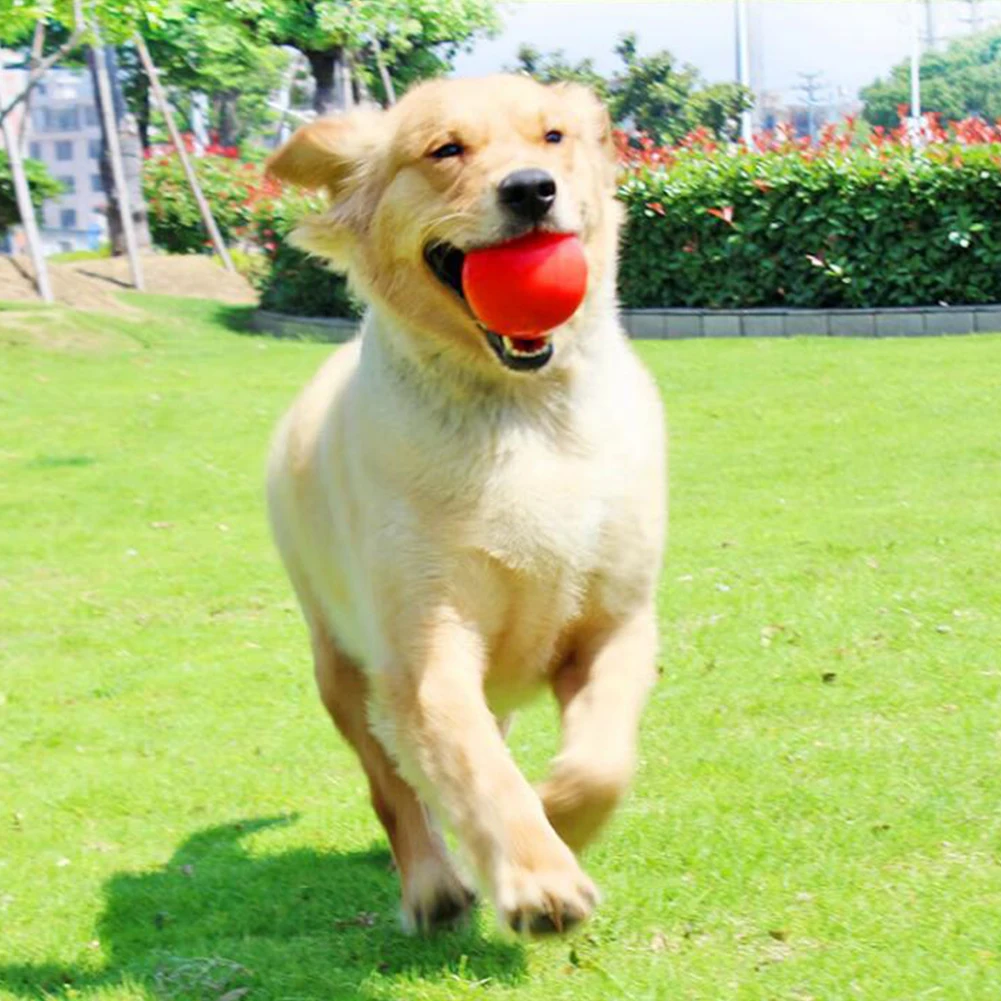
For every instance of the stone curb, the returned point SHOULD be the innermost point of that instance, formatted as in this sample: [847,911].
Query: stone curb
[303,328]
[925,321]
[679,324]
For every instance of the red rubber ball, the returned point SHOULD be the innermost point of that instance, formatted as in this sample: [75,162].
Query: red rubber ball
[527,286]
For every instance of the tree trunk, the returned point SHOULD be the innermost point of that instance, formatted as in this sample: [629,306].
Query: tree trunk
[226,123]
[37,49]
[332,75]
[130,140]
[143,109]
[200,118]
[131,146]
[323,65]
[23,194]
[345,89]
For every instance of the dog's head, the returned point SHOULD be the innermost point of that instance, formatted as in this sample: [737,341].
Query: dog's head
[454,166]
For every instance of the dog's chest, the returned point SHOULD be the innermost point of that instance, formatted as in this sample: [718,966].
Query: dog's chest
[539,512]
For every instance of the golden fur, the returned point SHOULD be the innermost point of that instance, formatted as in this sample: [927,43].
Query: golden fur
[460,535]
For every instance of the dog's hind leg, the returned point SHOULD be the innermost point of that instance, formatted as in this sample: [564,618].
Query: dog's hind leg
[601,690]
[433,892]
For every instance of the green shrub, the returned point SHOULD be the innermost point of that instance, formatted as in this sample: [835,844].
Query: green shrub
[248,207]
[230,187]
[43,185]
[833,225]
[294,282]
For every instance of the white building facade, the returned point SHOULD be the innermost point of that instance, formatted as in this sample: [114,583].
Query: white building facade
[64,132]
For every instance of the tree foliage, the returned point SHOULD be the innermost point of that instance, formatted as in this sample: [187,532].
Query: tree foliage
[117,19]
[552,67]
[41,182]
[961,81]
[416,38]
[654,94]
[197,49]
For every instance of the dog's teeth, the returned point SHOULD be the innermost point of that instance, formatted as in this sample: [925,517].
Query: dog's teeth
[512,348]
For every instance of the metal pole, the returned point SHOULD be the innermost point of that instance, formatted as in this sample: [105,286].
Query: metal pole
[915,73]
[117,167]
[175,137]
[23,194]
[743,64]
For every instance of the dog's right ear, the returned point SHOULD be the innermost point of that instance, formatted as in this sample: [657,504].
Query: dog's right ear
[344,155]
[337,153]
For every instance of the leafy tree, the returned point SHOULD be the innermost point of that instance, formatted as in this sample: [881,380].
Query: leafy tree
[961,81]
[196,51]
[41,182]
[117,19]
[341,40]
[654,94]
[552,67]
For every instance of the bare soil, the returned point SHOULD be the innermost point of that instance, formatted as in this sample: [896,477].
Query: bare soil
[95,284]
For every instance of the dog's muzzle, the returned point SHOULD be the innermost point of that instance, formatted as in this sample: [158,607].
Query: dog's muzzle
[445,261]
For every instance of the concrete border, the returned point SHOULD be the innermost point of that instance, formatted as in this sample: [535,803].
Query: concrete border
[923,321]
[682,324]
[334,330]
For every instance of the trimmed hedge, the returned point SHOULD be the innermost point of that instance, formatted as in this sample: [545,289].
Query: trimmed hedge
[834,225]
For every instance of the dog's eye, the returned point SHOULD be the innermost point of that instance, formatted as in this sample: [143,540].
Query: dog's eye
[449,149]
[554,136]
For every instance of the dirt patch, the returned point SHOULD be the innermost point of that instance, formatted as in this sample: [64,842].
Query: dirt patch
[95,284]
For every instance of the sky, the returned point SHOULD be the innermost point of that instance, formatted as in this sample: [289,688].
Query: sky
[850,42]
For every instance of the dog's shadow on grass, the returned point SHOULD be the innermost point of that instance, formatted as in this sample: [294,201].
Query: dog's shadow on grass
[217,923]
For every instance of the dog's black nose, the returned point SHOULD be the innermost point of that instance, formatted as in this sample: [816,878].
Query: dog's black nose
[528,194]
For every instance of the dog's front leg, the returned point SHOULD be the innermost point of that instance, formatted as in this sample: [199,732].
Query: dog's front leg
[601,689]
[435,718]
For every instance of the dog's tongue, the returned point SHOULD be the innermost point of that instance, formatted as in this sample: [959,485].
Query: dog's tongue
[527,286]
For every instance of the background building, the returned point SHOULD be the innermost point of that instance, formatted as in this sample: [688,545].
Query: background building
[64,132]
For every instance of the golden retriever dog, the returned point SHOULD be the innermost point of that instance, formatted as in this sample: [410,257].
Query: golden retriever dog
[467,520]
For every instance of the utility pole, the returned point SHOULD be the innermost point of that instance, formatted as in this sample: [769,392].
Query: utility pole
[743,64]
[973,17]
[810,88]
[915,73]
[930,39]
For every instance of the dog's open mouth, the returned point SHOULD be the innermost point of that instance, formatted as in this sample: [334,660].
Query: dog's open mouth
[519,355]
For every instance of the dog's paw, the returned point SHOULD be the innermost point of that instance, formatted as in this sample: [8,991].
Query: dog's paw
[579,798]
[548,899]
[435,897]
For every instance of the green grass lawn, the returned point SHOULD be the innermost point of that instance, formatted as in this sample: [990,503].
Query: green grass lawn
[818,811]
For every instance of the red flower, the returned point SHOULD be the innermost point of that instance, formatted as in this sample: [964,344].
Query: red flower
[656,207]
